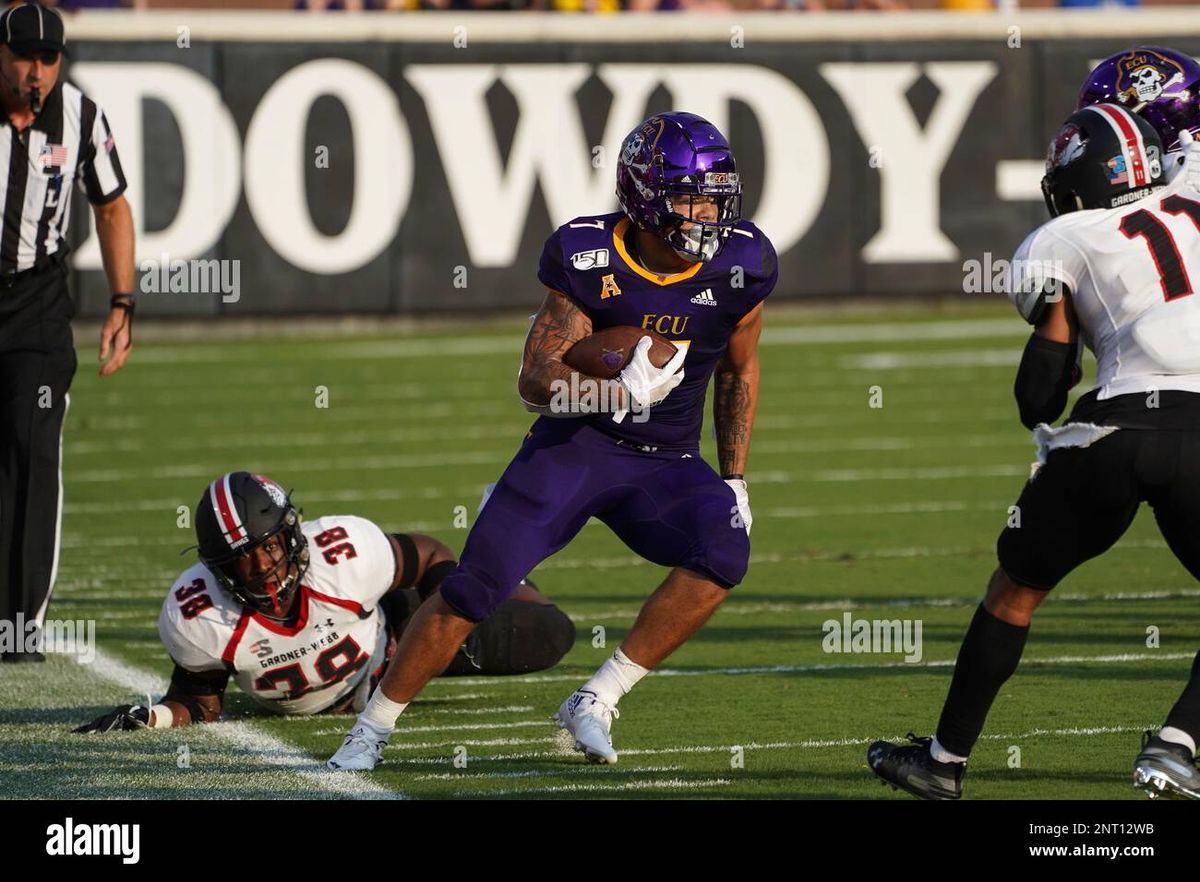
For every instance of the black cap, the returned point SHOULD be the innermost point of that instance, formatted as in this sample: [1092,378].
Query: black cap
[29,28]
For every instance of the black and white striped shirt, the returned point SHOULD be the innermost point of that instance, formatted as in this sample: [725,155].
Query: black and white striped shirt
[69,140]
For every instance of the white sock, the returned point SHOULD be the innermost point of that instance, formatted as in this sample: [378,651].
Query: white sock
[1178,736]
[615,678]
[381,712]
[942,755]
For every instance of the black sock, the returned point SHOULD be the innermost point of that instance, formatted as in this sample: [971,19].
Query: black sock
[987,658]
[1185,714]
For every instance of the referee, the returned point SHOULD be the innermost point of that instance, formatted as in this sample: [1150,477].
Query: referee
[51,136]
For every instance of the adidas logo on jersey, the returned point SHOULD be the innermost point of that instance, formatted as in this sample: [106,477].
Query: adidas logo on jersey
[705,298]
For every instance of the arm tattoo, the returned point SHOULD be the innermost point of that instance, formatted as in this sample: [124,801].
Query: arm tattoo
[559,324]
[734,401]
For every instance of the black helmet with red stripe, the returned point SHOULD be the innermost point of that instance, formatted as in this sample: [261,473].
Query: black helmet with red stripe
[1102,157]
[238,514]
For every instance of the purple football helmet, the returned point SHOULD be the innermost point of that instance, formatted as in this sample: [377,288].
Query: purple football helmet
[665,163]
[1160,85]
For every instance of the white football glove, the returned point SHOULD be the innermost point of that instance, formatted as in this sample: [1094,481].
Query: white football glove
[645,384]
[738,486]
[1191,157]
[1185,160]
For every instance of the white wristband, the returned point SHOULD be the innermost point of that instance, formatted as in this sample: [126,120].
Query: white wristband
[161,717]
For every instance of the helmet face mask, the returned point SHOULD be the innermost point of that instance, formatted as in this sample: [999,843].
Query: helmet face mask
[250,539]
[1103,156]
[701,222]
[268,591]
[677,178]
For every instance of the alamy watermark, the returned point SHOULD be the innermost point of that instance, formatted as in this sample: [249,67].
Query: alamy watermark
[117,840]
[75,637]
[874,635]
[993,275]
[584,395]
[167,276]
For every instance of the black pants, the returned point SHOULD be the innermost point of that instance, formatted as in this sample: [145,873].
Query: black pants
[520,637]
[37,362]
[1083,499]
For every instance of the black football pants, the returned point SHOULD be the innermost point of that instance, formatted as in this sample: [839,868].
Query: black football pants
[37,362]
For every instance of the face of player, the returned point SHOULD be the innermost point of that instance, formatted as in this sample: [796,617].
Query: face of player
[264,569]
[698,210]
[23,74]
[701,209]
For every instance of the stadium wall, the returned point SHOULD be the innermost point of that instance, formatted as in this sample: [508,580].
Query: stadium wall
[384,163]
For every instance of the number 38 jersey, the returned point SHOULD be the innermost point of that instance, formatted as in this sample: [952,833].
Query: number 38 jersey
[1133,272]
[337,640]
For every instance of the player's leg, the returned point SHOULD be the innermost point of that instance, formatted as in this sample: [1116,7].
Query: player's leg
[436,631]
[539,504]
[677,609]
[526,633]
[522,636]
[1166,762]
[682,515]
[33,389]
[1079,503]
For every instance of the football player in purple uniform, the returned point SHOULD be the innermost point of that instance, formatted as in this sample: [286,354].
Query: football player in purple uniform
[677,259]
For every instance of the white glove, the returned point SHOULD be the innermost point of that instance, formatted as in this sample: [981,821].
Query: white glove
[1191,157]
[738,486]
[645,384]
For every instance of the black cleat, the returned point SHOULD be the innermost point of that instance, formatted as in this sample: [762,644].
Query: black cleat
[1164,768]
[911,768]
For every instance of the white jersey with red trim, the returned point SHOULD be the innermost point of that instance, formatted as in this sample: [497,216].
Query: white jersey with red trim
[339,638]
[1133,272]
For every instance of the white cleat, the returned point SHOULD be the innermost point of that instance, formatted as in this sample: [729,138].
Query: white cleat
[361,751]
[590,721]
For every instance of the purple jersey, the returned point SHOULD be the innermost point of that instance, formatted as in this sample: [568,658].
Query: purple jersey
[591,261]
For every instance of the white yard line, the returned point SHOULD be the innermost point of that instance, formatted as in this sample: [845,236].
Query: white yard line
[248,737]
[498,459]
[733,608]
[403,730]
[465,776]
[808,744]
[509,344]
[1115,658]
[946,358]
[658,784]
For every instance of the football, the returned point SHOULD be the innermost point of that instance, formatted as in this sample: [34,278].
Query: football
[604,353]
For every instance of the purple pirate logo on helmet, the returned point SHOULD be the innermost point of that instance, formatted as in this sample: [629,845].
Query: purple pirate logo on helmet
[677,178]
[1160,85]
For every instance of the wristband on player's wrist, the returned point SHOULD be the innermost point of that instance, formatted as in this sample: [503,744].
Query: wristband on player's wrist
[161,717]
[738,477]
[123,301]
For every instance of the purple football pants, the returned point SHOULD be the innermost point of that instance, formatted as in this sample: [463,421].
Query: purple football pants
[670,507]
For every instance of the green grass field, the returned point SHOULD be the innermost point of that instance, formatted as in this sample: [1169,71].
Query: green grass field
[885,513]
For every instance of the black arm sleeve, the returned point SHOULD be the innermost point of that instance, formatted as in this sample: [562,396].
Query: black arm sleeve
[185,685]
[1046,374]
[433,577]
[411,560]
